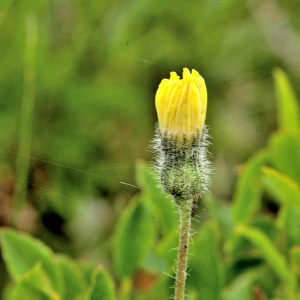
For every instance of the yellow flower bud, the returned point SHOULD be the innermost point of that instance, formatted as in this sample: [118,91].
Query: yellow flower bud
[181,104]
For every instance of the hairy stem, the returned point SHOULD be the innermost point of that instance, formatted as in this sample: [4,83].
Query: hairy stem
[184,228]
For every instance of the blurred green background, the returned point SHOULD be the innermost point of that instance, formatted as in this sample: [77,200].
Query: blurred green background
[91,69]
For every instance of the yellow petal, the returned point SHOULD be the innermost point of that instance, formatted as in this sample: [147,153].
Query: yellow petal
[181,104]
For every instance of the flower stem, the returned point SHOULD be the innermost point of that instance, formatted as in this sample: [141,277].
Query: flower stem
[185,209]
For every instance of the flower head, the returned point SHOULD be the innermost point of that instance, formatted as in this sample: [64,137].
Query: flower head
[181,104]
[181,139]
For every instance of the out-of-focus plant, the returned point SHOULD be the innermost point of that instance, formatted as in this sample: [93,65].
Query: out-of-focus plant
[240,251]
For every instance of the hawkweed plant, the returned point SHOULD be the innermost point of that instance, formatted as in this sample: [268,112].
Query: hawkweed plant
[181,144]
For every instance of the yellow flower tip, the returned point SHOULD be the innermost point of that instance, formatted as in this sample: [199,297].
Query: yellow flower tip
[195,74]
[186,75]
[181,104]
[174,76]
[163,83]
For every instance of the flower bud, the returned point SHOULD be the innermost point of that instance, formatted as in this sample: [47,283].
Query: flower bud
[181,104]
[181,135]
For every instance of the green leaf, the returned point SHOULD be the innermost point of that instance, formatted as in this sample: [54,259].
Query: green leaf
[240,287]
[25,292]
[275,259]
[160,291]
[167,248]
[135,233]
[37,279]
[160,203]
[205,267]
[73,278]
[285,190]
[290,219]
[154,264]
[21,252]
[221,213]
[287,104]
[285,155]
[102,286]
[267,280]
[87,270]
[8,291]
[4,8]
[265,224]
[246,200]
[125,289]
[295,260]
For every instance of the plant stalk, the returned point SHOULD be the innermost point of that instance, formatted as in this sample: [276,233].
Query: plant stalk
[185,210]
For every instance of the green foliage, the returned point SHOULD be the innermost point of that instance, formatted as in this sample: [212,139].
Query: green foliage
[240,288]
[160,203]
[272,240]
[21,253]
[73,278]
[4,7]
[36,272]
[285,155]
[248,190]
[35,283]
[295,260]
[288,111]
[205,265]
[270,253]
[101,287]
[133,239]
[286,190]
[290,219]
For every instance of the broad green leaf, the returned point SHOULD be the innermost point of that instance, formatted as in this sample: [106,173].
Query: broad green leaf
[161,204]
[275,259]
[290,220]
[24,292]
[221,213]
[87,270]
[37,279]
[125,289]
[285,190]
[74,280]
[285,155]
[192,294]
[239,245]
[241,287]
[21,252]
[295,260]
[246,200]
[167,248]
[160,291]
[102,287]
[8,290]
[83,296]
[265,224]
[154,264]
[4,8]
[205,266]
[135,233]
[287,104]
